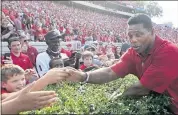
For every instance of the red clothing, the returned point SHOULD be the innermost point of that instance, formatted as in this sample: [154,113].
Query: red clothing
[6,11]
[158,71]
[45,31]
[83,67]
[23,61]
[12,17]
[32,54]
[4,91]
[68,53]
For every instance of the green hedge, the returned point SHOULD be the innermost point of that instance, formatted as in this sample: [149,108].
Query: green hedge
[95,99]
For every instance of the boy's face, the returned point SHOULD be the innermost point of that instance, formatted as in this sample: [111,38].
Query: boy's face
[57,64]
[88,61]
[15,83]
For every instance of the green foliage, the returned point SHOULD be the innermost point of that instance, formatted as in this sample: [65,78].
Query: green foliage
[152,8]
[95,99]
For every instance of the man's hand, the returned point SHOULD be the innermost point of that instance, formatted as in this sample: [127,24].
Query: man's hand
[74,75]
[35,100]
[55,75]
[137,89]
[8,60]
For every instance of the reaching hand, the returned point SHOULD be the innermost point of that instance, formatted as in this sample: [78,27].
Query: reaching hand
[74,75]
[34,100]
[55,75]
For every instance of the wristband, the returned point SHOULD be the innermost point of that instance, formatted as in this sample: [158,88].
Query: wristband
[87,78]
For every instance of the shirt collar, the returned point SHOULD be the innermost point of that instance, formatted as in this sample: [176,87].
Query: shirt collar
[12,55]
[157,43]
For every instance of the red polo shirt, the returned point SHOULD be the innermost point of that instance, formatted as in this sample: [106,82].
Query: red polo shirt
[68,53]
[83,67]
[3,91]
[32,54]
[158,71]
[23,61]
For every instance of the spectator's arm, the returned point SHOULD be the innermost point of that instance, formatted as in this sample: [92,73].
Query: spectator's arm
[10,107]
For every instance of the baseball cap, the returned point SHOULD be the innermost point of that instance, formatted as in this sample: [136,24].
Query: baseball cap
[89,47]
[52,35]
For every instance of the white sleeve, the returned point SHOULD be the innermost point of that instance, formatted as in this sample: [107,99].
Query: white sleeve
[41,65]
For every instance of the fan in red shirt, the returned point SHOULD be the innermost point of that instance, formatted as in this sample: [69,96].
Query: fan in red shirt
[16,57]
[87,60]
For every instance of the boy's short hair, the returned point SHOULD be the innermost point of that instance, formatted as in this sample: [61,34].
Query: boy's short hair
[9,70]
[87,54]
[52,62]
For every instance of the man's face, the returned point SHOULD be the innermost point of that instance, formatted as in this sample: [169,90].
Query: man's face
[14,83]
[139,37]
[54,45]
[88,61]
[118,50]
[15,47]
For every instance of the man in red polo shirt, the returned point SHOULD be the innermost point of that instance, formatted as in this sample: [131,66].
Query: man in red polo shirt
[17,57]
[153,60]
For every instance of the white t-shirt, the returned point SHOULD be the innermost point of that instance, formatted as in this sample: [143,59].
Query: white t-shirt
[42,62]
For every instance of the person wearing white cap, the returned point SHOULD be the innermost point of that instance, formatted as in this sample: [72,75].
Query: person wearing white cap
[53,51]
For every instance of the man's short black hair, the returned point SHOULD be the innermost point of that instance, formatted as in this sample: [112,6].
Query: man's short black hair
[12,39]
[141,19]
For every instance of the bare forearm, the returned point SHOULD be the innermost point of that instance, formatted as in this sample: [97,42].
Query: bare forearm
[40,84]
[9,96]
[101,76]
[10,107]
[136,90]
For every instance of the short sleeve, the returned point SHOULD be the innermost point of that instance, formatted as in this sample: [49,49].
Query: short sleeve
[125,65]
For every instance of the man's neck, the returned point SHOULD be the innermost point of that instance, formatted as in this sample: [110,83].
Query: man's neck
[16,54]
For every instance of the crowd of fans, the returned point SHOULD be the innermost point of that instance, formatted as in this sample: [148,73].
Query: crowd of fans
[38,17]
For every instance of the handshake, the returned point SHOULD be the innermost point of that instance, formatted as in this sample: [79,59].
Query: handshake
[57,75]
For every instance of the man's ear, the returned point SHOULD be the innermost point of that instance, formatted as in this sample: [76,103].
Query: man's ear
[3,84]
